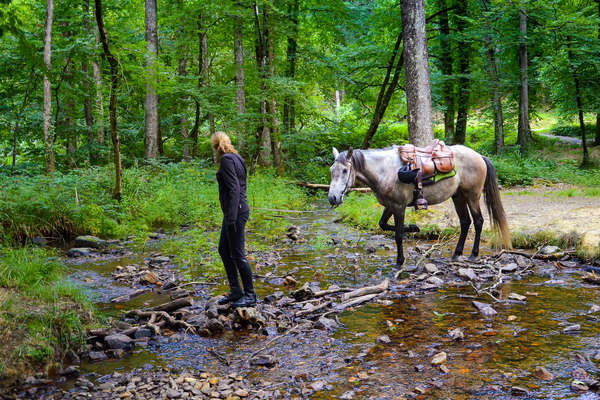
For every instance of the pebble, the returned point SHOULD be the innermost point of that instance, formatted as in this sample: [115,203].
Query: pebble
[542,373]
[434,280]
[518,391]
[509,268]
[431,268]
[516,296]
[439,358]
[456,334]
[578,386]
[485,309]
[575,328]
[467,273]
[385,339]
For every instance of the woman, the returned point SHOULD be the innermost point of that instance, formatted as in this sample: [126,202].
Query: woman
[232,195]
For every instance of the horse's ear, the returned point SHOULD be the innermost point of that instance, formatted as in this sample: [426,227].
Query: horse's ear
[349,153]
[336,153]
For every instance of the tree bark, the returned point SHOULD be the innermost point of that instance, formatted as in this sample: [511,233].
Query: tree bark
[31,83]
[586,159]
[206,78]
[447,63]
[70,133]
[240,90]
[87,102]
[264,150]
[416,68]
[114,83]
[597,140]
[524,130]
[464,90]
[275,134]
[152,122]
[48,129]
[289,103]
[99,98]
[185,137]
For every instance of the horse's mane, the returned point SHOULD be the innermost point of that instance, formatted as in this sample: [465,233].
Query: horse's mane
[357,159]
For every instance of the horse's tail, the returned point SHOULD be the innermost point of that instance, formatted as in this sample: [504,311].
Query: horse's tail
[494,204]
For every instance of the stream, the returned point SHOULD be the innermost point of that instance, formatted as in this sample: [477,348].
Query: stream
[381,351]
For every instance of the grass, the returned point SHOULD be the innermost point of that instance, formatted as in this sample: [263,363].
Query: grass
[42,316]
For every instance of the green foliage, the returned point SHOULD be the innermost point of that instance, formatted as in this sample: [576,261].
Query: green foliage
[573,131]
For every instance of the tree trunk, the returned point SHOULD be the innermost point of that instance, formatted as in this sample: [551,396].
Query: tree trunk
[447,63]
[597,140]
[70,133]
[289,103]
[385,92]
[416,66]
[586,159]
[240,90]
[31,83]
[185,149]
[48,129]
[524,131]
[264,143]
[206,78]
[114,83]
[275,135]
[464,54]
[99,98]
[87,102]
[152,122]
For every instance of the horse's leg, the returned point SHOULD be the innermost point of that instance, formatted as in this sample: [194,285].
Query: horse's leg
[460,204]
[473,203]
[399,219]
[385,217]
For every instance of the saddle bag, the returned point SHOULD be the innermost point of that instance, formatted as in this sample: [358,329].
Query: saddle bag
[443,160]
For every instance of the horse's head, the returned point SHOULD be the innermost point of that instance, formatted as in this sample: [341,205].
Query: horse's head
[342,176]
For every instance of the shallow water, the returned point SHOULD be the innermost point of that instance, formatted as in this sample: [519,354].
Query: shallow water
[495,355]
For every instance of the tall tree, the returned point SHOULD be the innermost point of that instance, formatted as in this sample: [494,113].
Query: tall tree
[447,61]
[416,66]
[85,82]
[464,80]
[289,103]
[152,122]
[48,129]
[524,130]
[597,140]
[114,85]
[586,158]
[99,98]
[185,149]
[240,85]
[264,142]
[275,134]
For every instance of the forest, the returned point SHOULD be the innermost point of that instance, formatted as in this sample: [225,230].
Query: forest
[107,108]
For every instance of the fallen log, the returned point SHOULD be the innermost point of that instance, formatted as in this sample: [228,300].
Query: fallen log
[376,289]
[174,305]
[327,292]
[313,309]
[326,187]
[165,316]
[356,301]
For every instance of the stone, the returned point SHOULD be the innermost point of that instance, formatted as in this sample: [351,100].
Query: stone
[444,369]
[173,394]
[594,309]
[434,280]
[511,318]
[79,252]
[289,281]
[549,250]
[385,339]
[215,326]
[370,249]
[71,371]
[116,353]
[518,391]
[456,334]
[326,323]
[516,296]
[485,309]
[542,373]
[439,358]
[143,333]
[108,386]
[578,386]
[574,328]
[151,279]
[509,268]
[431,268]
[580,374]
[263,361]
[348,395]
[118,341]
[97,356]
[318,385]
[410,268]
[160,259]
[467,273]
[89,241]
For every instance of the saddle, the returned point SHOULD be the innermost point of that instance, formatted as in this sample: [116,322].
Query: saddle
[422,165]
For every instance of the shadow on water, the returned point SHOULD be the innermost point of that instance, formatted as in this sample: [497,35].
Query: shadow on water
[494,356]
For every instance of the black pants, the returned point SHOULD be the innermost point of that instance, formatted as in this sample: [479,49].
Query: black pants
[231,249]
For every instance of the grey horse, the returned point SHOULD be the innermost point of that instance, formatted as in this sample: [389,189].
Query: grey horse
[377,169]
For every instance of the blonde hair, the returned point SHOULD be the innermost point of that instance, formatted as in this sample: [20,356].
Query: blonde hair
[221,143]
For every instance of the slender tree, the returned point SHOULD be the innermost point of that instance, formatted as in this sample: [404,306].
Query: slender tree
[289,103]
[464,80]
[597,140]
[152,121]
[264,142]
[447,61]
[524,130]
[185,148]
[586,158]
[114,85]
[85,82]
[99,98]
[275,134]
[240,88]
[48,128]
[416,67]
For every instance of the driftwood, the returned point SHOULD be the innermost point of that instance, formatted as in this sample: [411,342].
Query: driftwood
[382,287]
[175,305]
[313,309]
[152,315]
[356,301]
[326,187]
[328,292]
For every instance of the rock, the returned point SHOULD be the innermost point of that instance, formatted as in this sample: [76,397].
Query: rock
[509,268]
[289,281]
[263,361]
[160,259]
[516,296]
[434,280]
[173,394]
[108,386]
[151,279]
[143,333]
[485,309]
[410,268]
[118,341]
[574,328]
[579,374]
[370,249]
[116,353]
[444,368]
[318,385]
[97,356]
[439,358]
[89,241]
[467,273]
[518,391]
[326,323]
[431,268]
[578,386]
[456,334]
[511,318]
[215,326]
[198,320]
[549,250]
[71,371]
[385,339]
[349,395]
[542,373]
[79,252]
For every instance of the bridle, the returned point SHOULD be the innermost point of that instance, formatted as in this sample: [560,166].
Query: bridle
[350,172]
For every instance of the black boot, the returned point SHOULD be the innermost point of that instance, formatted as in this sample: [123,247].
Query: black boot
[234,295]
[249,298]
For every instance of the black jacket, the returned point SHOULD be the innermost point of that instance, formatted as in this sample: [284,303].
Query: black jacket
[232,187]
